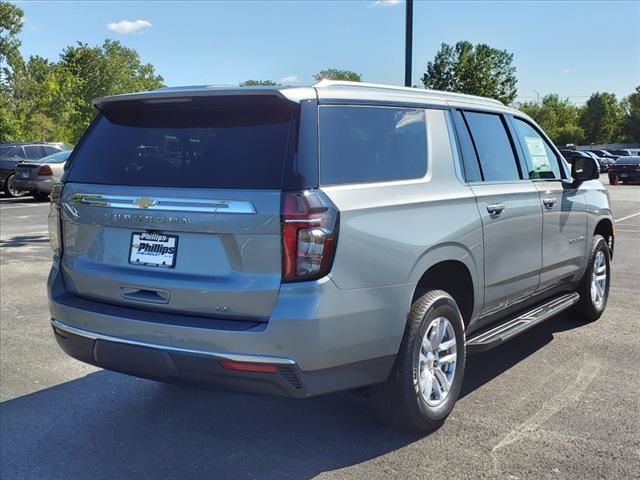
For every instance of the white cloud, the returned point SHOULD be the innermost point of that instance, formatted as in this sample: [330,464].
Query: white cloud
[128,26]
[289,79]
[567,70]
[385,3]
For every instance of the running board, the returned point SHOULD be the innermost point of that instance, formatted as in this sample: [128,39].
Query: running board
[507,330]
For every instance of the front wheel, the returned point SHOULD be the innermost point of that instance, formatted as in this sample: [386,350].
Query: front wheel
[594,286]
[426,378]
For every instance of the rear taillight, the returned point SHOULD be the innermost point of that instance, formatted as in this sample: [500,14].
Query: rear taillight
[44,171]
[309,235]
[55,229]
[638,167]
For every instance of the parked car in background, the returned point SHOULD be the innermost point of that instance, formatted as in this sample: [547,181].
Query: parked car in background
[302,241]
[605,154]
[11,154]
[621,153]
[603,163]
[627,169]
[37,178]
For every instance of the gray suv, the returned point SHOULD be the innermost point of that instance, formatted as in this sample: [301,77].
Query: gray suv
[300,241]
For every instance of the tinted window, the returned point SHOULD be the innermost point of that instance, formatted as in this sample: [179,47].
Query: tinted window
[469,159]
[218,142]
[50,150]
[541,161]
[34,151]
[494,148]
[59,157]
[371,144]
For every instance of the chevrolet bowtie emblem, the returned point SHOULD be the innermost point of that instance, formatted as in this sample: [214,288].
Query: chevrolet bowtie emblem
[145,202]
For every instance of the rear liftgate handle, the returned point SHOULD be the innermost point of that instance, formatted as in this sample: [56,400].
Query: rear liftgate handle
[144,295]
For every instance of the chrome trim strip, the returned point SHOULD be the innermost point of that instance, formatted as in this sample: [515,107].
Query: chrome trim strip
[167,204]
[236,357]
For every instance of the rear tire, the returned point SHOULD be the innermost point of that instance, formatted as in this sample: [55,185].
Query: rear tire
[9,191]
[426,378]
[594,286]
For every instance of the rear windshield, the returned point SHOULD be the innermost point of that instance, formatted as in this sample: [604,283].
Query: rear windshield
[215,142]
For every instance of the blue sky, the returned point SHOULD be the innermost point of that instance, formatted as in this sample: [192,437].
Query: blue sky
[572,48]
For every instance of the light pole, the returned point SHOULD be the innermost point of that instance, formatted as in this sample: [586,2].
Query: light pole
[408,42]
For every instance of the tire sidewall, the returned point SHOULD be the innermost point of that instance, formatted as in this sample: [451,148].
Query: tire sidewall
[446,307]
[600,246]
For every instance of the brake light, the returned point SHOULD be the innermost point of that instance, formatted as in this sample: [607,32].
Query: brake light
[45,170]
[309,235]
[55,229]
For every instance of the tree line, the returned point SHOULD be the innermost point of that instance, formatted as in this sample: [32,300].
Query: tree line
[45,100]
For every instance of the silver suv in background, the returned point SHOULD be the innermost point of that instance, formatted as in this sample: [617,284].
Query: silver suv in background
[301,241]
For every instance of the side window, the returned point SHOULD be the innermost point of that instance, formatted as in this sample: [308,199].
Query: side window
[371,144]
[19,152]
[50,150]
[493,146]
[34,151]
[541,161]
[469,158]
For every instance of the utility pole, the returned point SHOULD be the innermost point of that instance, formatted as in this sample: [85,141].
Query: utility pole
[408,42]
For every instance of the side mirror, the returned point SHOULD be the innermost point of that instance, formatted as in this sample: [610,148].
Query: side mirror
[584,168]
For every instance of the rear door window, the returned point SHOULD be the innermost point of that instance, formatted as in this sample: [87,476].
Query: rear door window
[493,145]
[371,144]
[34,151]
[214,142]
[541,160]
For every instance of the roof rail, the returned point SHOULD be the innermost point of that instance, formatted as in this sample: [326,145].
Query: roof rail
[344,83]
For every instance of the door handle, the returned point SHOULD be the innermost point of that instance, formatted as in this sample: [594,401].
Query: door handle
[495,208]
[549,202]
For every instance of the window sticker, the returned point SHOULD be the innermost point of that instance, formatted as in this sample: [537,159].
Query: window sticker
[538,154]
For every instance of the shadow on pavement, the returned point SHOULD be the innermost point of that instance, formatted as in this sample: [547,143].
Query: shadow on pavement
[107,425]
[23,240]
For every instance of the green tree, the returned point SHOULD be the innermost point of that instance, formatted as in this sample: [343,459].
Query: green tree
[601,118]
[557,117]
[336,74]
[631,117]
[476,70]
[258,83]
[84,73]
[11,19]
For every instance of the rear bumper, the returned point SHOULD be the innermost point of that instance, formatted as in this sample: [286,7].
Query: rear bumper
[628,175]
[40,186]
[320,338]
[176,365]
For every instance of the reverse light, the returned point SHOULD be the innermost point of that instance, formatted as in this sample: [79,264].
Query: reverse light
[44,171]
[309,235]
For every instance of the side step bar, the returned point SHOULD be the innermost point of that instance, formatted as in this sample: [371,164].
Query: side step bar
[507,330]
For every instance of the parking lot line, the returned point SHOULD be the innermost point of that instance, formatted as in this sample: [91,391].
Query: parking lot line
[627,217]
[9,207]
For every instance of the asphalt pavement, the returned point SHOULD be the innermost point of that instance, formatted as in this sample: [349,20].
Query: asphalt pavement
[561,401]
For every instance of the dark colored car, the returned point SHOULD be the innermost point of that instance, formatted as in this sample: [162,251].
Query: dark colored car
[627,169]
[11,154]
